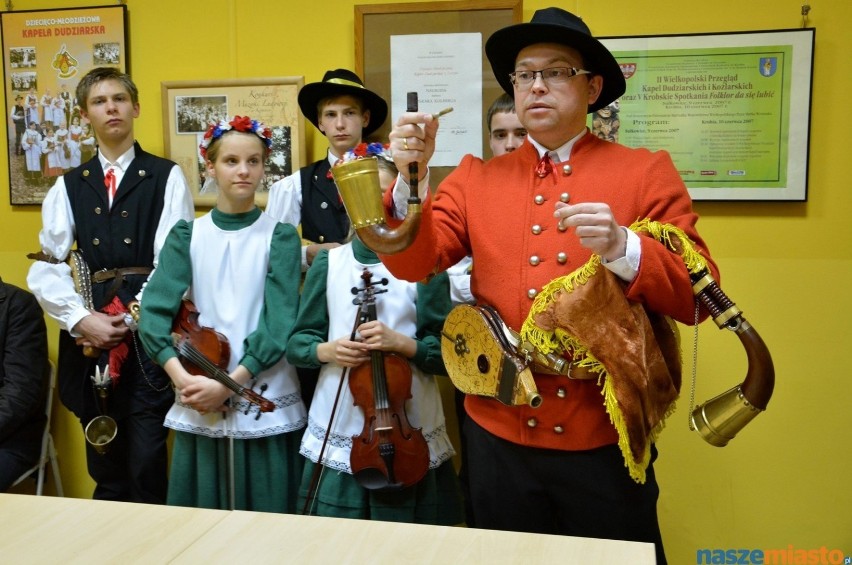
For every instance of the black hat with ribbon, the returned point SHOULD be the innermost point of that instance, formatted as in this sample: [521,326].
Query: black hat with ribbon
[555,25]
[342,82]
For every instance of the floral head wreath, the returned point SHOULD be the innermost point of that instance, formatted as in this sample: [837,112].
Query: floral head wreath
[239,123]
[365,150]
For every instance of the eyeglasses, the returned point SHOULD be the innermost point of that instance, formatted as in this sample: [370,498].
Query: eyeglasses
[551,76]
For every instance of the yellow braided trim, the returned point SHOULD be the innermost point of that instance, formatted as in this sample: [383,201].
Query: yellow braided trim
[636,470]
[545,340]
[664,233]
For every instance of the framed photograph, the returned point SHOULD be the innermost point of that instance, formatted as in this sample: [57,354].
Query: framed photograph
[442,25]
[45,53]
[732,109]
[190,106]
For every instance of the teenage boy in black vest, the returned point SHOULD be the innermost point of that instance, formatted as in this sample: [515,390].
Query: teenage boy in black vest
[345,112]
[118,208]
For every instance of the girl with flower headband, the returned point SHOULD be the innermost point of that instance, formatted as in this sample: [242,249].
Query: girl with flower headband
[409,321]
[241,269]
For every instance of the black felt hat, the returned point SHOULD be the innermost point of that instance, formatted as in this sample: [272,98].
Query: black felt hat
[555,25]
[342,82]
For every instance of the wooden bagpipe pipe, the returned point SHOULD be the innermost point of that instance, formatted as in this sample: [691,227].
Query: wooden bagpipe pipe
[720,419]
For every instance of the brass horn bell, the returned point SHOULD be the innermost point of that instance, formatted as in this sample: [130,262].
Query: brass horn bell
[359,187]
[720,419]
[100,432]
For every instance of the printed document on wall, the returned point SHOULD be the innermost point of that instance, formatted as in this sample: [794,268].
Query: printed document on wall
[445,70]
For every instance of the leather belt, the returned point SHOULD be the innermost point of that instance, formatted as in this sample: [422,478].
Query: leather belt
[575,372]
[109,274]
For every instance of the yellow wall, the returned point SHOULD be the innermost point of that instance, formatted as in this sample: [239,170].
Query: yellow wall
[787,265]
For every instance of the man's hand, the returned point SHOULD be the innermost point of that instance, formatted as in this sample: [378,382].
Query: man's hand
[595,226]
[411,142]
[101,331]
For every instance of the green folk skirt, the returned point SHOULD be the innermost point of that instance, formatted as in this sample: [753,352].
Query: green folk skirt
[267,472]
[435,500]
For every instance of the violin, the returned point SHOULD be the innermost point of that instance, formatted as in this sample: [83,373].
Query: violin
[388,454]
[205,351]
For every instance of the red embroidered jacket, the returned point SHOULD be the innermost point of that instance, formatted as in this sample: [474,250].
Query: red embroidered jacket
[501,213]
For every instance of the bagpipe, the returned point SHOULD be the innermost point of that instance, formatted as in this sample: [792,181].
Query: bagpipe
[358,184]
[485,357]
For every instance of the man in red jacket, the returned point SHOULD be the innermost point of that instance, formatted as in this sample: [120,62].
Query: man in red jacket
[532,216]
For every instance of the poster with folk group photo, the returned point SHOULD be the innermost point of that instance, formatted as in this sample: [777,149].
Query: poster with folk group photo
[45,53]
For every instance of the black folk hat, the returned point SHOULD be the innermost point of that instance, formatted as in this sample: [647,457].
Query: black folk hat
[342,82]
[555,25]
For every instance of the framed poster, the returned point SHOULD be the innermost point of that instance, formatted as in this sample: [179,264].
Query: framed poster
[190,106]
[377,24]
[732,109]
[45,53]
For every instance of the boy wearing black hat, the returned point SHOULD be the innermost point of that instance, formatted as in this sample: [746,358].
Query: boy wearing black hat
[552,211]
[345,112]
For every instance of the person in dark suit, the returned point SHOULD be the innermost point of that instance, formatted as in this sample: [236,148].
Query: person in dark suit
[24,374]
[18,117]
[118,208]
[67,102]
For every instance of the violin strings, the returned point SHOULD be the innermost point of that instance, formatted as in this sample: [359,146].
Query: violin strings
[197,358]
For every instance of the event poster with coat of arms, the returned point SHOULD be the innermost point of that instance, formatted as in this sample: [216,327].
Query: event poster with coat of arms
[45,53]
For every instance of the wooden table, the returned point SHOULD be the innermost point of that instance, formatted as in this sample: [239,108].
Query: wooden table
[51,530]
